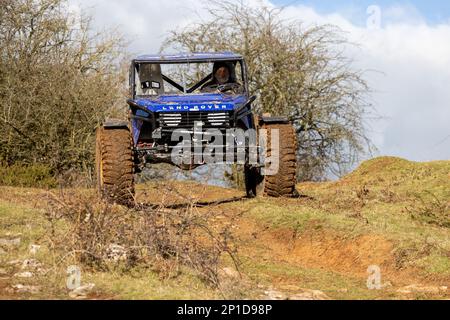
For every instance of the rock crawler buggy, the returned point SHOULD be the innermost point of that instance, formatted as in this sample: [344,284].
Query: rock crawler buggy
[217,103]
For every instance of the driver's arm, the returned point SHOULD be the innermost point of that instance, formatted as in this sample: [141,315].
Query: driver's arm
[209,87]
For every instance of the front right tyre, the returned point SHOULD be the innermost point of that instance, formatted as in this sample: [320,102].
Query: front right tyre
[281,184]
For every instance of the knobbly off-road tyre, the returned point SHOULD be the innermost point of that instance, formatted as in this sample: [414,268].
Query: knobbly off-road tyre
[283,183]
[115,165]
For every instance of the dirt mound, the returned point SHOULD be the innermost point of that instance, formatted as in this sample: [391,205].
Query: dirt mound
[395,172]
[387,180]
[381,165]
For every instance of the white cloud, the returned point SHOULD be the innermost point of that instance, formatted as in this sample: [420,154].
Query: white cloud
[412,91]
[416,63]
[144,22]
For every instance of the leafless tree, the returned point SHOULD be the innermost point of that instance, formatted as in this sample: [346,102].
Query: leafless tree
[296,71]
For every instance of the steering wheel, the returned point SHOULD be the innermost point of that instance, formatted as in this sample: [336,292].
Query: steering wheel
[229,87]
[223,88]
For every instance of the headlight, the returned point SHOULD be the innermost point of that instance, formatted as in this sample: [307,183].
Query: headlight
[217,119]
[170,119]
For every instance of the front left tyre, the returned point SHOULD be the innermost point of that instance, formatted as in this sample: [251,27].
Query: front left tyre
[115,165]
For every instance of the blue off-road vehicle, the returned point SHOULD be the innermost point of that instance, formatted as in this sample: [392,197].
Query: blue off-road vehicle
[190,110]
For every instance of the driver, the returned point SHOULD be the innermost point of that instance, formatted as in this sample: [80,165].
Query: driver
[223,73]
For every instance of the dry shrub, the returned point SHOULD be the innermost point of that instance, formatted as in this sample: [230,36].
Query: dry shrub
[27,175]
[59,79]
[105,236]
[430,209]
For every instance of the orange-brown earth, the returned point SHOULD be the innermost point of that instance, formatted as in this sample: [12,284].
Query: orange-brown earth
[326,239]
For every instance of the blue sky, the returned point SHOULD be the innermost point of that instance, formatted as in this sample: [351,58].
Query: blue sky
[433,11]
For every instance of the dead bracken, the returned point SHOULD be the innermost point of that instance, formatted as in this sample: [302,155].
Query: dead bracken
[106,236]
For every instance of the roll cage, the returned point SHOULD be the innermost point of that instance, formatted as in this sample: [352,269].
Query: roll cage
[187,59]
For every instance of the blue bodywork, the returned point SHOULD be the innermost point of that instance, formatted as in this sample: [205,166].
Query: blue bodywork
[211,102]
[148,108]
[195,102]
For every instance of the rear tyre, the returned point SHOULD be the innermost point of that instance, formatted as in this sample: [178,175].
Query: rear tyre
[115,165]
[282,184]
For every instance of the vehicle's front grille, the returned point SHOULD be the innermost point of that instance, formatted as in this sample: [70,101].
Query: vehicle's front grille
[189,119]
